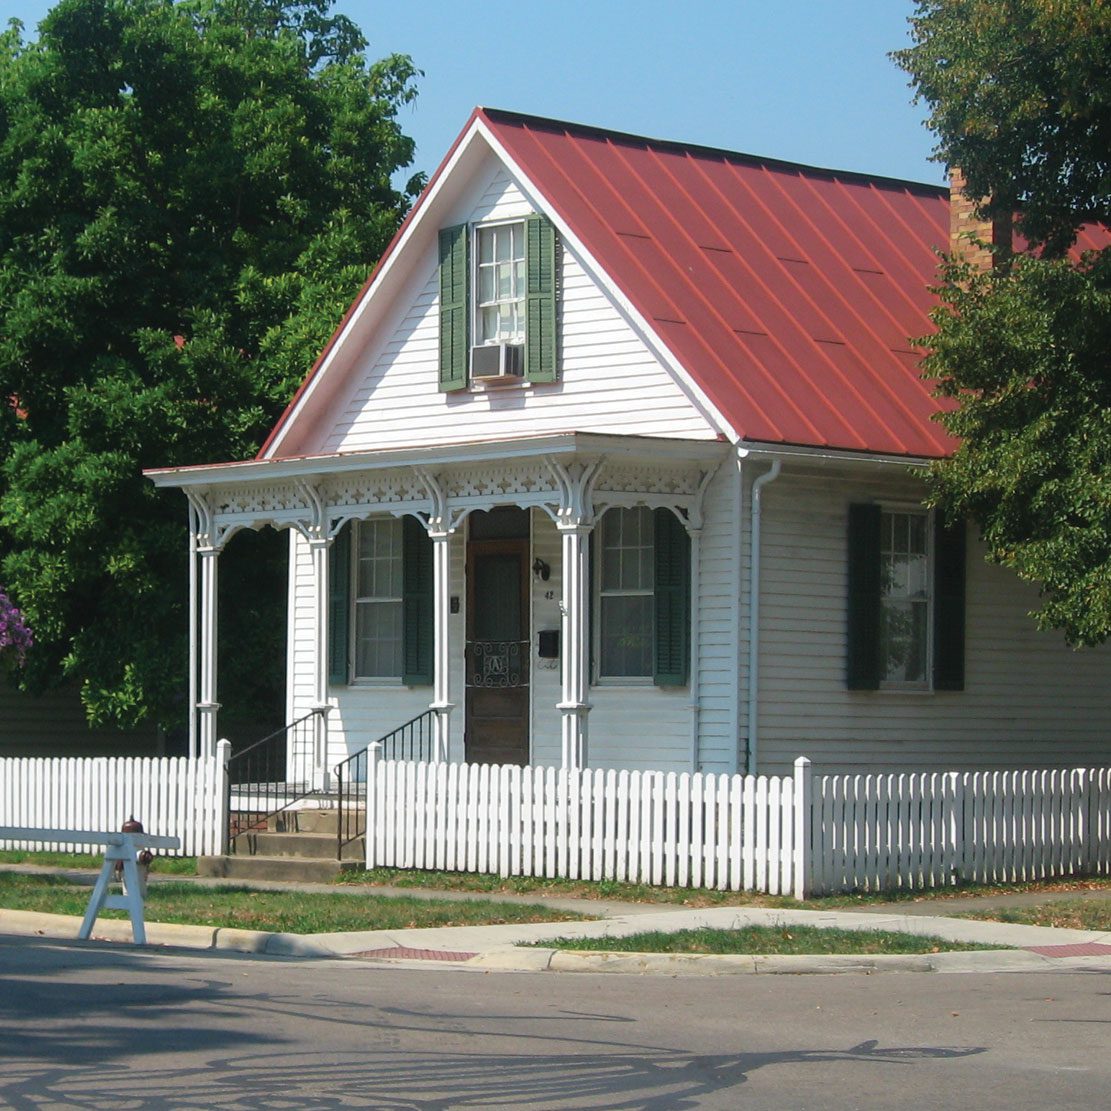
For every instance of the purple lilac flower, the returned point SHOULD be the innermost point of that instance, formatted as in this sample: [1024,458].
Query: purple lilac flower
[15,637]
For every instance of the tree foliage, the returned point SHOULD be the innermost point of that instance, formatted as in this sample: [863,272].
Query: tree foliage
[190,194]
[1020,99]
[1026,356]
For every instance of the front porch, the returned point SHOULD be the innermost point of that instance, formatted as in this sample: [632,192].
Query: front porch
[459,580]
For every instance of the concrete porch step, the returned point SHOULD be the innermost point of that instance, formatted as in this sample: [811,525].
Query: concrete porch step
[312,846]
[281,868]
[323,820]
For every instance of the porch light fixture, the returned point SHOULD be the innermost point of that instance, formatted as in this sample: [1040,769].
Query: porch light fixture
[541,570]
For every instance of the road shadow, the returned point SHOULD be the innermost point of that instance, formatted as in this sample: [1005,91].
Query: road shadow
[93,1028]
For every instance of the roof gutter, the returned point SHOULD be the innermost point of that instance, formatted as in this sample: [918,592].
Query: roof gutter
[754,614]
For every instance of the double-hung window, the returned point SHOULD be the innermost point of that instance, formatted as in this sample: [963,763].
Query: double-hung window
[378,599]
[626,594]
[380,609]
[906,600]
[498,286]
[642,597]
[500,283]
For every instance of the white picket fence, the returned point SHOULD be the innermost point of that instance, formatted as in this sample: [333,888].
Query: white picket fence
[876,832]
[171,796]
[723,831]
[798,835]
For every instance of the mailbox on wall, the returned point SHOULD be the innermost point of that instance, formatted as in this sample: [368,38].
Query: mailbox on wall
[547,647]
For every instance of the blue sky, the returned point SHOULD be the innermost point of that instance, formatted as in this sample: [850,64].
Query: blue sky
[803,80]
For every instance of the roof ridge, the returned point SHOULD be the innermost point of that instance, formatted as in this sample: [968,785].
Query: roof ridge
[504,115]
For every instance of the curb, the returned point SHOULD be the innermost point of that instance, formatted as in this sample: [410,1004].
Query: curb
[511,959]
[64,927]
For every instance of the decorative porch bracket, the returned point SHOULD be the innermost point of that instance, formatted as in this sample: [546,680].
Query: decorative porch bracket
[575,521]
[440,523]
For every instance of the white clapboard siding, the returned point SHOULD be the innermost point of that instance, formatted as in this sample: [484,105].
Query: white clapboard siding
[1029,700]
[171,796]
[598,824]
[393,400]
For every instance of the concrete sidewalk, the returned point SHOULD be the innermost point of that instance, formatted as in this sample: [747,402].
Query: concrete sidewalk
[495,947]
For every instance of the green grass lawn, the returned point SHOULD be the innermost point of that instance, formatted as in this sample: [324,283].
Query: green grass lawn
[763,940]
[168,865]
[298,913]
[686,896]
[1070,914]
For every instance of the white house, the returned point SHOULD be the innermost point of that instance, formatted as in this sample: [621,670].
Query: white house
[616,461]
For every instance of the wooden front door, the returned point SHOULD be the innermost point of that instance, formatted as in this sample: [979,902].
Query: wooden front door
[497,695]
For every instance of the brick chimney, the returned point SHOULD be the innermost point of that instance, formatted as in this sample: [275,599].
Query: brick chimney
[965,227]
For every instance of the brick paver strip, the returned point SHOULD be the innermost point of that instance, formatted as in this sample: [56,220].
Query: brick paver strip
[1084,949]
[404,952]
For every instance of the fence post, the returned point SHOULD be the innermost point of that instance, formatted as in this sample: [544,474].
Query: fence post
[223,797]
[1083,828]
[803,823]
[954,869]
[373,755]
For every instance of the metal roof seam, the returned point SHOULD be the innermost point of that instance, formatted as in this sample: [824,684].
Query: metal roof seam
[785,312]
[826,274]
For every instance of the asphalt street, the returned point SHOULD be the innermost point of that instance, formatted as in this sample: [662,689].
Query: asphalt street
[96,1026]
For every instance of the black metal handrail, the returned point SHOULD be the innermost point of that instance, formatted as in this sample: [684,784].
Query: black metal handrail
[259,776]
[411,741]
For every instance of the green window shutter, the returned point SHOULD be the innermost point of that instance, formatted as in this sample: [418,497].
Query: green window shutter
[949,604]
[673,601]
[416,603]
[863,664]
[541,356]
[454,308]
[339,605]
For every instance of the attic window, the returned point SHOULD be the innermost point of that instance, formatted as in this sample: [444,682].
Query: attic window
[500,283]
[499,289]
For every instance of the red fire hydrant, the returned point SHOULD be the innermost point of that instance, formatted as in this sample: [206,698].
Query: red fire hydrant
[133,825]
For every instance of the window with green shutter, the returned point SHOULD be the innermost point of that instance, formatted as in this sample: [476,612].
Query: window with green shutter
[541,354]
[641,597]
[499,303]
[417,605]
[673,600]
[381,623]
[339,606]
[906,605]
[455,311]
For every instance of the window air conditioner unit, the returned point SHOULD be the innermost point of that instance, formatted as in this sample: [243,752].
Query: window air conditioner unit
[497,362]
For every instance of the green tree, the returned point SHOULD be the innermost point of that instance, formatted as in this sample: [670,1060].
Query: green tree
[1020,98]
[190,195]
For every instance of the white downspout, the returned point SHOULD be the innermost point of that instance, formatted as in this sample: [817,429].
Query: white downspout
[695,657]
[754,614]
[193,528]
[738,592]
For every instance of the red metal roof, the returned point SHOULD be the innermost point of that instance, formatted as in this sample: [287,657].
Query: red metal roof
[787,293]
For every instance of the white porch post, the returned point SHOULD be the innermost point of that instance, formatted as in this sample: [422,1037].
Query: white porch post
[207,706]
[205,545]
[440,524]
[441,608]
[575,521]
[320,538]
[320,546]
[575,633]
